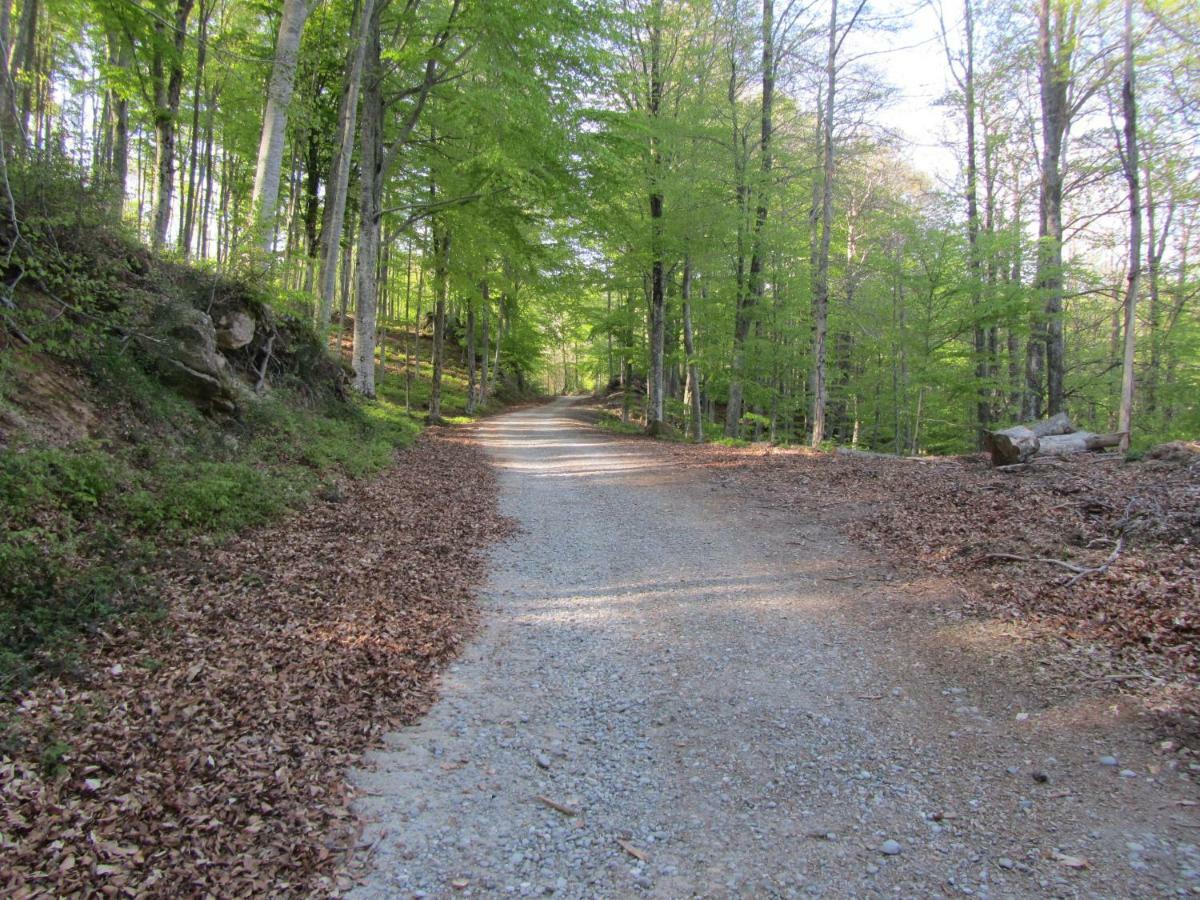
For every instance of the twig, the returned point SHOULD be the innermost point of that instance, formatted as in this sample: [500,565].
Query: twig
[262,371]
[1080,572]
[1103,567]
[555,805]
[1036,559]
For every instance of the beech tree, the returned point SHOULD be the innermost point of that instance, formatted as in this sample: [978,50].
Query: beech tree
[690,202]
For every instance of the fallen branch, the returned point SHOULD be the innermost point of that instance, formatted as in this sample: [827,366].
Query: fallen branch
[1103,567]
[1080,572]
[262,370]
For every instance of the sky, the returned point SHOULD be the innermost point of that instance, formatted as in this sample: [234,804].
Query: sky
[912,59]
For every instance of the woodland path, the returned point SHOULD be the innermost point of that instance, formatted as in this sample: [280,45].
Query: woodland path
[717,684]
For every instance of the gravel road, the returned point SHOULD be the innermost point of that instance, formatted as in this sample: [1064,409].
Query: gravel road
[679,691]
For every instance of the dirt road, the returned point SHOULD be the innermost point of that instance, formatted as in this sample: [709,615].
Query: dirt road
[679,691]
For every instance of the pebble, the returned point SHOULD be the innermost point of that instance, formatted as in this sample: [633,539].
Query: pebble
[1128,773]
[668,716]
[1108,761]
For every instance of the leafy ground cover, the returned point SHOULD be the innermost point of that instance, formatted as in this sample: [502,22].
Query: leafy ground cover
[201,752]
[1092,550]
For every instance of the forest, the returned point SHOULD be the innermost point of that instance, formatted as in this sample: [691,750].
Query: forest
[697,204]
[286,287]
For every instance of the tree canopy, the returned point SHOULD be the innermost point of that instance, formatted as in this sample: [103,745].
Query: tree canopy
[695,203]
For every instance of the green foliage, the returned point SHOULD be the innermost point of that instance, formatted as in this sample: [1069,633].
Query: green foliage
[610,421]
[53,758]
[78,523]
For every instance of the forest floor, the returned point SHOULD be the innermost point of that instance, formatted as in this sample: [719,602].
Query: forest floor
[202,751]
[690,681]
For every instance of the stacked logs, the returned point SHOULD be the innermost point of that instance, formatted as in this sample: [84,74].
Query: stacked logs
[1055,436]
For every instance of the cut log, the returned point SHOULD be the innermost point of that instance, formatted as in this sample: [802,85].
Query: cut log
[1055,436]
[1077,442]
[1021,442]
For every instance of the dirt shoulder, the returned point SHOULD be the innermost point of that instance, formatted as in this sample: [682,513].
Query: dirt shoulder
[204,751]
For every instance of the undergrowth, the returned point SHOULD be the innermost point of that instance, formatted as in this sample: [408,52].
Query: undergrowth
[84,522]
[80,525]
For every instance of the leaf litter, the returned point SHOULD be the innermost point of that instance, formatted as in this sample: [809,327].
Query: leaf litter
[202,752]
[1089,549]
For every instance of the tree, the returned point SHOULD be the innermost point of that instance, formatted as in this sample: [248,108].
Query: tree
[1129,162]
[275,117]
[820,303]
[166,70]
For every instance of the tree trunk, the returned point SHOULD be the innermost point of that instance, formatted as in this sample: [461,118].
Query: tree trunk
[692,389]
[1022,442]
[654,412]
[441,287]
[1056,41]
[8,100]
[370,217]
[753,294]
[483,359]
[982,371]
[336,185]
[1130,161]
[275,116]
[167,78]
[22,60]
[187,225]
[471,383]
[821,280]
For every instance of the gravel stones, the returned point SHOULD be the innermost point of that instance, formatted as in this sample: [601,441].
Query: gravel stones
[672,662]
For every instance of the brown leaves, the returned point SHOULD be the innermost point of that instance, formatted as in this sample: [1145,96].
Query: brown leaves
[212,761]
[948,515]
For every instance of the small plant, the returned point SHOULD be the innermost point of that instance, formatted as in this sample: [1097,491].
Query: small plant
[53,759]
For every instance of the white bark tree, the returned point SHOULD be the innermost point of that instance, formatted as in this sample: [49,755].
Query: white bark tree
[275,116]
[334,213]
[1129,160]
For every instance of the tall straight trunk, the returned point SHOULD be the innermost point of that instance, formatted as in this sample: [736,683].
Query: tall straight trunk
[1132,172]
[187,226]
[654,413]
[692,387]
[119,163]
[275,116]
[746,310]
[24,56]
[1156,237]
[8,100]
[336,185]
[471,383]
[206,205]
[483,339]
[312,208]
[167,77]
[410,368]
[1055,46]
[982,370]
[347,270]
[222,206]
[738,146]
[820,301]
[370,216]
[441,288]
[627,359]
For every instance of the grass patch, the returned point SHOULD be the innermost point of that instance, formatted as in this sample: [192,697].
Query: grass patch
[80,525]
[610,421]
